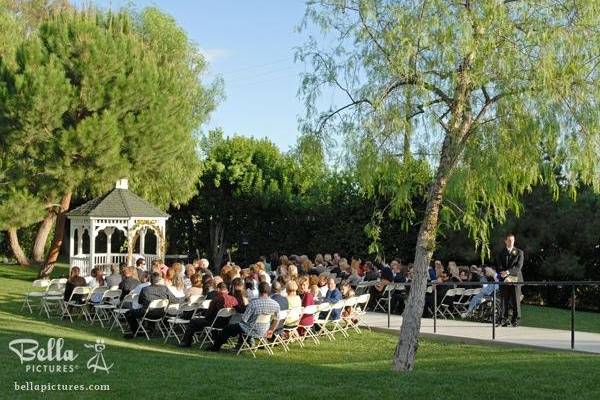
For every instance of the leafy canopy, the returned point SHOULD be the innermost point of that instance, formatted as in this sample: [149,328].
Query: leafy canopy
[92,96]
[509,87]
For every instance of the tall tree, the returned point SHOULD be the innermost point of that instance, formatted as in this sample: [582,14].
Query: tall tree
[93,96]
[239,177]
[494,94]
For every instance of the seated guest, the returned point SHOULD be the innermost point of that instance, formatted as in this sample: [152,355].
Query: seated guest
[262,305]
[333,296]
[354,278]
[316,292]
[222,300]
[115,276]
[307,300]
[97,278]
[74,281]
[476,274]
[189,271]
[177,287]
[439,268]
[281,300]
[371,273]
[140,268]
[238,290]
[137,290]
[196,286]
[399,272]
[97,282]
[322,283]
[454,272]
[294,301]
[487,290]
[128,283]
[283,281]
[431,274]
[251,291]
[203,266]
[208,287]
[155,291]
[464,276]
[319,264]
[347,292]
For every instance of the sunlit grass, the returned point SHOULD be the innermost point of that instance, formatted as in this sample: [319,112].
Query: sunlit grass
[358,367]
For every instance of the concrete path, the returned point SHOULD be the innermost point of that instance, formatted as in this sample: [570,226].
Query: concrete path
[474,332]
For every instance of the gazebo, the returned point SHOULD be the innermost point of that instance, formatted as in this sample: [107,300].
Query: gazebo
[116,227]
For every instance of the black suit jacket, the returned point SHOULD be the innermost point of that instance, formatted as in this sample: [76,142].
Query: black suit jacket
[511,262]
[156,292]
[127,285]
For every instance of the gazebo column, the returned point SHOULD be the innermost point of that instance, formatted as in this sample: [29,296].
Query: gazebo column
[80,231]
[161,239]
[142,240]
[71,242]
[109,231]
[92,235]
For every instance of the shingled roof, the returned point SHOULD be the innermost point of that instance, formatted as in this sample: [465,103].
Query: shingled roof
[118,203]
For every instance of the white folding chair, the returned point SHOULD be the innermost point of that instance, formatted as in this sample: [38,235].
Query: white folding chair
[208,331]
[251,342]
[347,320]
[159,307]
[110,301]
[291,330]
[119,312]
[323,318]
[180,321]
[80,305]
[383,303]
[337,324]
[278,336]
[37,294]
[53,298]
[360,312]
[307,329]
[462,304]
[444,305]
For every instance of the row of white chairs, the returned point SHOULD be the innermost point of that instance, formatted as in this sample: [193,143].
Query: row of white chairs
[171,320]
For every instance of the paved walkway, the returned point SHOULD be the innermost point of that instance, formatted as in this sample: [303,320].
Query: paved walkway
[474,332]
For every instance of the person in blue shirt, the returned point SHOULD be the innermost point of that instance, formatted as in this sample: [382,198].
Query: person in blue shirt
[332,296]
[487,290]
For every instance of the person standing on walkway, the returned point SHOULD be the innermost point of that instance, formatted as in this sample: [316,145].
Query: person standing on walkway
[509,266]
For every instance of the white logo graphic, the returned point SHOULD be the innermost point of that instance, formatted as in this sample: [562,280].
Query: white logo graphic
[28,350]
[97,362]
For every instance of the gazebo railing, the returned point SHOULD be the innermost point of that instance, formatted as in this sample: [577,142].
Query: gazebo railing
[83,260]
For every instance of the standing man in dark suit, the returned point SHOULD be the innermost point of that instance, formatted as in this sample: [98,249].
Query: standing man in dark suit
[509,266]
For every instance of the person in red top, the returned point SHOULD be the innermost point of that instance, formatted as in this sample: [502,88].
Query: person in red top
[222,300]
[307,300]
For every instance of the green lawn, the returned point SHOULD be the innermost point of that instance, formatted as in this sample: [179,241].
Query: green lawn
[358,367]
[556,318]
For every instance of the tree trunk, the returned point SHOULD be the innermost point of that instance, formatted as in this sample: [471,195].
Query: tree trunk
[217,244]
[411,317]
[39,245]
[48,266]
[18,252]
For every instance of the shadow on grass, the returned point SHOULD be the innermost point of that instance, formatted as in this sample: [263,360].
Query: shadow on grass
[358,367]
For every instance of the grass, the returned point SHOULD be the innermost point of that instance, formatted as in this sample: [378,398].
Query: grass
[557,318]
[358,367]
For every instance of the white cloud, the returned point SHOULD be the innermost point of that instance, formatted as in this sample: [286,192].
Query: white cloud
[213,55]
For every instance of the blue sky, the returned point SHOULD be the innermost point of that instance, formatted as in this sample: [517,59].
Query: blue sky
[250,44]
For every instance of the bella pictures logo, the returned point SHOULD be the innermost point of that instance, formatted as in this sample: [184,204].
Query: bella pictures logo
[55,358]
